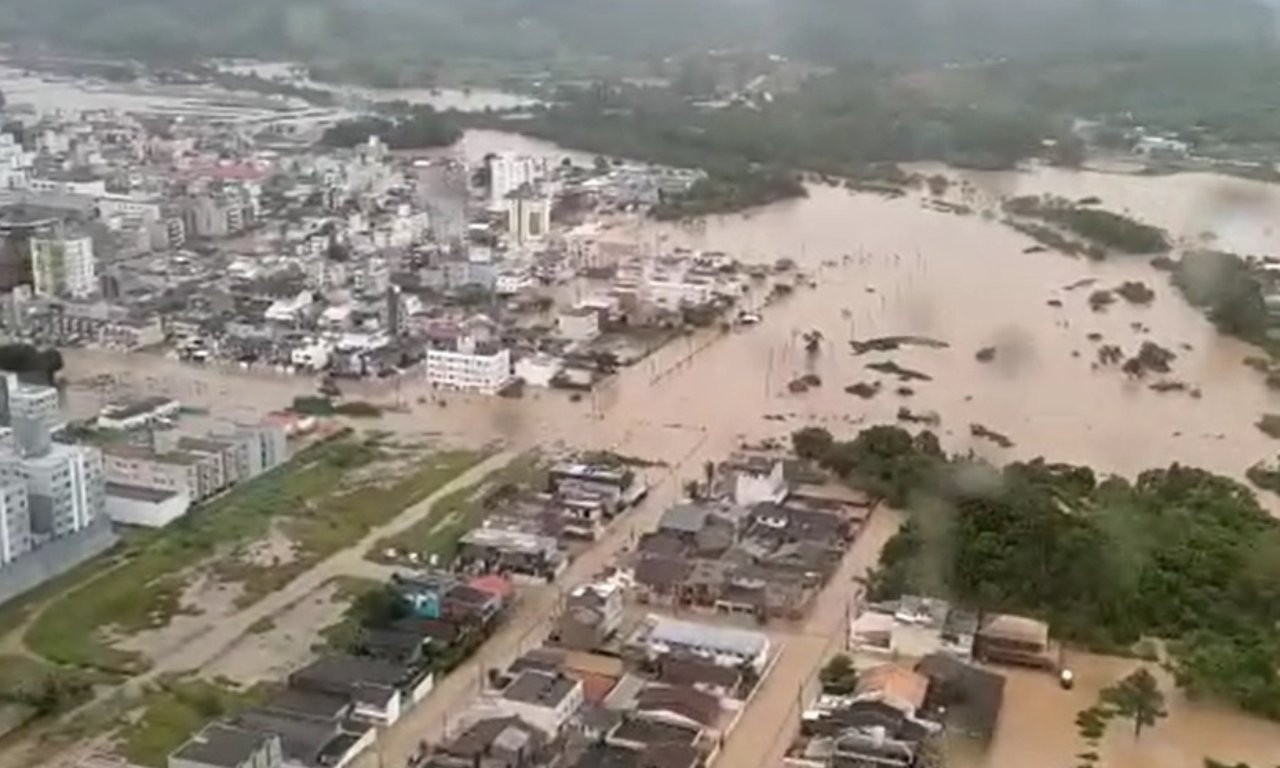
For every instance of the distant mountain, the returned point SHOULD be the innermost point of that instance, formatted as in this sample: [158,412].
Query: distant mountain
[416,31]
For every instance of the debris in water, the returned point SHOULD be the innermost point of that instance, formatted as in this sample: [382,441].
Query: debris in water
[906,392]
[930,418]
[1054,303]
[978,430]
[865,390]
[1135,292]
[1100,300]
[1095,336]
[890,343]
[1085,283]
[985,355]
[903,374]
[1110,354]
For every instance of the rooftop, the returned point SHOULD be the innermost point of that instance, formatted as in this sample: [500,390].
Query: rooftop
[540,688]
[222,745]
[138,493]
[687,633]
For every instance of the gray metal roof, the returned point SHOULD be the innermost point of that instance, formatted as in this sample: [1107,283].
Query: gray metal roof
[741,642]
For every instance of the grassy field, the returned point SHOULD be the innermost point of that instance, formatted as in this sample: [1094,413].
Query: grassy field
[174,710]
[453,515]
[143,591]
[43,689]
[337,520]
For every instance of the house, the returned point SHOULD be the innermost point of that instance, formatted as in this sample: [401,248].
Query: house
[650,756]
[873,748]
[914,626]
[756,479]
[679,705]
[373,686]
[660,580]
[969,698]
[896,687]
[1008,639]
[592,614]
[544,701]
[639,734]
[701,675]
[726,646]
[598,674]
[308,741]
[497,742]
[226,746]
[495,550]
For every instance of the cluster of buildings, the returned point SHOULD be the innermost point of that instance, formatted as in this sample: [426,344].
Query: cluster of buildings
[155,474]
[59,500]
[665,695]
[528,535]
[222,245]
[923,666]
[330,710]
[754,543]
[52,494]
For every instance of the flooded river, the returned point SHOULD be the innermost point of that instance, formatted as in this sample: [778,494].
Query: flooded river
[890,267]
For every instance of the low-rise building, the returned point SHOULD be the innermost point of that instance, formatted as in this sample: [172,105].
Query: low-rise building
[469,365]
[726,646]
[592,614]
[147,507]
[578,324]
[545,701]
[226,746]
[138,413]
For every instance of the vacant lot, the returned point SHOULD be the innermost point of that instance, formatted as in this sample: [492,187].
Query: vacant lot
[311,502]
[437,534]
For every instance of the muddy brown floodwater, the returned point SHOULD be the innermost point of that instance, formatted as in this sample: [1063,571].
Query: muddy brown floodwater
[892,267]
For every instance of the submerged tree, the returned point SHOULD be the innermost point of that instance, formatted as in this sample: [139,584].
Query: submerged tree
[1138,698]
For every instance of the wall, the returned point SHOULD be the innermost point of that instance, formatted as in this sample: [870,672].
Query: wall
[53,559]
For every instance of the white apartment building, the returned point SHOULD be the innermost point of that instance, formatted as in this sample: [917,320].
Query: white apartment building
[512,280]
[15,163]
[33,414]
[469,366]
[64,266]
[65,489]
[15,521]
[509,172]
[528,216]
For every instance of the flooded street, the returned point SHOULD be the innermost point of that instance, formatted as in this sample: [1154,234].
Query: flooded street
[893,267]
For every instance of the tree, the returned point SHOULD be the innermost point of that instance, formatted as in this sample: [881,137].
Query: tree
[839,677]
[813,443]
[1138,698]
[709,474]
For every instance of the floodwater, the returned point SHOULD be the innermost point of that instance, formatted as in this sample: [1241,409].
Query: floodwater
[890,267]
[470,100]
[53,94]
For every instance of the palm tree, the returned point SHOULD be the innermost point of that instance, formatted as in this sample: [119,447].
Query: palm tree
[1138,698]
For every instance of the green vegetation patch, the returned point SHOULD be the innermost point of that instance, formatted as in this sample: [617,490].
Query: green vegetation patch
[454,515]
[1103,228]
[1179,554]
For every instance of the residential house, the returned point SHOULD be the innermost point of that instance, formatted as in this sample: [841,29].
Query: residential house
[726,646]
[1008,639]
[226,746]
[592,614]
[755,479]
[969,698]
[544,701]
[374,686]
[679,705]
[519,554]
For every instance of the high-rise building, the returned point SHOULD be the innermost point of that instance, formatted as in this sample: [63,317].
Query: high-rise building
[63,266]
[65,488]
[528,215]
[19,225]
[509,172]
[33,414]
[15,521]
